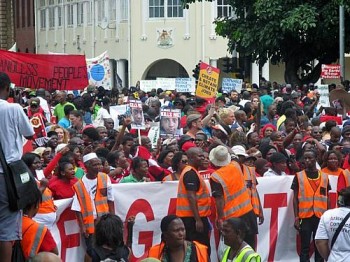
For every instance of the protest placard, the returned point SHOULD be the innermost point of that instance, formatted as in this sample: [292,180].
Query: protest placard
[116,111]
[52,72]
[229,84]
[170,122]
[185,85]
[153,133]
[330,71]
[165,83]
[324,95]
[148,85]
[137,119]
[99,71]
[208,81]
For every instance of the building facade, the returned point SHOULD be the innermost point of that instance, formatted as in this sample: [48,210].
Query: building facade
[147,38]
[6,24]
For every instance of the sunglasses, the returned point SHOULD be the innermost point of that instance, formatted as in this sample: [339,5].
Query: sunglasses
[184,161]
[198,140]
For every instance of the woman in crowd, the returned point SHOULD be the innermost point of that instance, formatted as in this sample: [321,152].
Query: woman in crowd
[164,159]
[267,130]
[76,154]
[61,185]
[76,119]
[234,231]
[108,241]
[62,134]
[174,247]
[178,163]
[331,163]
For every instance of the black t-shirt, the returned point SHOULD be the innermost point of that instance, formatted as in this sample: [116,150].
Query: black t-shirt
[191,181]
[311,175]
[120,254]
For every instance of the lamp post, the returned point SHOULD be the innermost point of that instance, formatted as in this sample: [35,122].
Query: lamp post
[341,43]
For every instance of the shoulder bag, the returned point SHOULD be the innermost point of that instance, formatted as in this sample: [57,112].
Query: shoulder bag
[20,183]
[341,225]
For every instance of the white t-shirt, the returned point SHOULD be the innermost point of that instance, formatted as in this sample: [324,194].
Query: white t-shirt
[270,172]
[14,125]
[90,186]
[329,223]
[101,115]
[44,105]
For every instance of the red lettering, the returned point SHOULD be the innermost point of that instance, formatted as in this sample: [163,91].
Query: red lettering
[145,237]
[172,206]
[274,201]
[67,241]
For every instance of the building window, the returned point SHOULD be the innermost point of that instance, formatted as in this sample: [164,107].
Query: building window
[89,13]
[43,19]
[29,13]
[165,8]
[175,8]
[100,10]
[70,14]
[112,10]
[42,3]
[51,13]
[80,13]
[17,14]
[23,12]
[224,8]
[124,8]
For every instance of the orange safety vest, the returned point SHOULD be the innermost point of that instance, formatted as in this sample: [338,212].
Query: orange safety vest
[32,236]
[47,205]
[311,202]
[201,251]
[202,196]
[101,202]
[236,196]
[250,179]
[346,173]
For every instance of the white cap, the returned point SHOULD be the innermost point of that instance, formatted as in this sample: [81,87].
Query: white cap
[89,156]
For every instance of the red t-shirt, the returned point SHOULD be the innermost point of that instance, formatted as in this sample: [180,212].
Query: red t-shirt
[62,189]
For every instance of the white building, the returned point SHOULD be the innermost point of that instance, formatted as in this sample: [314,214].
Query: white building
[147,38]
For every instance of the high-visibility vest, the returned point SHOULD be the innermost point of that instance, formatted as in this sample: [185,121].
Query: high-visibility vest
[32,236]
[236,196]
[170,177]
[47,205]
[202,196]
[250,179]
[311,202]
[346,173]
[101,202]
[245,255]
[201,251]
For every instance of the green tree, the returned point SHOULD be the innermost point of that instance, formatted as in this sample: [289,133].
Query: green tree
[295,32]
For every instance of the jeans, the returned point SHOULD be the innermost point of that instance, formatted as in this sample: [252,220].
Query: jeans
[308,228]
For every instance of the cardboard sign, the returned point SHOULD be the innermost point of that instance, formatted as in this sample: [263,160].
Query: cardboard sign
[170,122]
[330,71]
[185,85]
[99,71]
[115,111]
[229,84]
[165,83]
[324,95]
[153,133]
[208,81]
[148,85]
[137,119]
[52,72]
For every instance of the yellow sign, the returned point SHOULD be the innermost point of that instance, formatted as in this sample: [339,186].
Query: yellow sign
[208,81]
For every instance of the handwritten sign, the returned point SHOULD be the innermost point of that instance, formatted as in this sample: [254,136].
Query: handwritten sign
[58,72]
[324,95]
[165,83]
[229,84]
[99,71]
[185,85]
[208,81]
[330,71]
[148,85]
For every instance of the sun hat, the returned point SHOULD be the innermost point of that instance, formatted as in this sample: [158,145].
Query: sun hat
[239,151]
[219,156]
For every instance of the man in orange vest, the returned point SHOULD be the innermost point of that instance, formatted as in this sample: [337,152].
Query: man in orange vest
[93,197]
[229,190]
[193,200]
[311,200]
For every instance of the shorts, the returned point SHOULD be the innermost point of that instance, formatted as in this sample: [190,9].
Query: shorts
[10,222]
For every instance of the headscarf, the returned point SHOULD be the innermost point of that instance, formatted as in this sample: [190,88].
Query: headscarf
[262,132]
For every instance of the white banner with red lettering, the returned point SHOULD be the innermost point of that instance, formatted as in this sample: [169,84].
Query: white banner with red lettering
[150,202]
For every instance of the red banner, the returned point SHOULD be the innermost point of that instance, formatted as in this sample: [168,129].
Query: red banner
[330,71]
[52,72]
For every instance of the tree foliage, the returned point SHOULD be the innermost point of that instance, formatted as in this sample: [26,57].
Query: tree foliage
[295,32]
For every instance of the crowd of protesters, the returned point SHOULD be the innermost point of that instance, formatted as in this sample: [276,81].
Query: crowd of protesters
[80,148]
